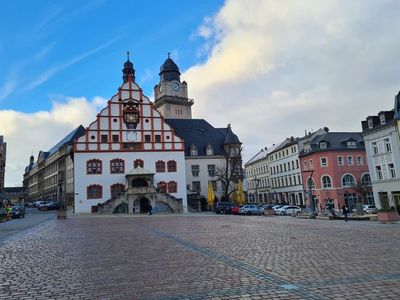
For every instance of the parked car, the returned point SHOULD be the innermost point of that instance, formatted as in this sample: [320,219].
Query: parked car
[288,210]
[275,207]
[18,211]
[30,204]
[251,209]
[50,206]
[268,206]
[235,209]
[223,207]
[37,203]
[370,209]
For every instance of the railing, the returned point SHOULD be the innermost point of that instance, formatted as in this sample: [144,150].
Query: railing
[141,190]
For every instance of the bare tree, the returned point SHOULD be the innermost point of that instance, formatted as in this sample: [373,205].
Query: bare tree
[230,172]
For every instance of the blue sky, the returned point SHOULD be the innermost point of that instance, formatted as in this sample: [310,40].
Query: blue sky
[78,48]
[271,68]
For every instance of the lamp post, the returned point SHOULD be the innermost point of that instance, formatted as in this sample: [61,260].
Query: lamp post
[257,181]
[309,185]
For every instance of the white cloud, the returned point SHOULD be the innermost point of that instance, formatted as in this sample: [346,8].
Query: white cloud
[28,133]
[276,68]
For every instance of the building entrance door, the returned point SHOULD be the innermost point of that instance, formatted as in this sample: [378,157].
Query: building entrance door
[144,205]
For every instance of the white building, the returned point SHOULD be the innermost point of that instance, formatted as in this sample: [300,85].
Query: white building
[205,154]
[258,181]
[129,148]
[381,137]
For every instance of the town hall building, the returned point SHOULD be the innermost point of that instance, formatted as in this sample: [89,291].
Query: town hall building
[138,154]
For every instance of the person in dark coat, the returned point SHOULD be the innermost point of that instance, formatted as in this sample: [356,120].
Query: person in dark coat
[149,209]
[346,211]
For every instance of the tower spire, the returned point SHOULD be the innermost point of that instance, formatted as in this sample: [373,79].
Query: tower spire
[128,71]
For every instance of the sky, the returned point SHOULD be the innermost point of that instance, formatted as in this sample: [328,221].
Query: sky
[271,68]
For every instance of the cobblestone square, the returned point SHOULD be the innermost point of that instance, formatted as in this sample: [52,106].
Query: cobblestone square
[201,257]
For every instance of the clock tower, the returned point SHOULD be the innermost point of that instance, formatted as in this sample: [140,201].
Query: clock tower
[170,94]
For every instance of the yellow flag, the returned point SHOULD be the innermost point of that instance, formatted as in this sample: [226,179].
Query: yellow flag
[211,196]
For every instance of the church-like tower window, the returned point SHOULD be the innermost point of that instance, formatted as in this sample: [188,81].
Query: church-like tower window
[160,166]
[104,138]
[172,187]
[171,166]
[117,189]
[157,138]
[117,166]
[94,166]
[94,191]
[137,163]
[162,187]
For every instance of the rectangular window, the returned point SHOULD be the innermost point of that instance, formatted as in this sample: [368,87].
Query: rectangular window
[324,161]
[104,138]
[388,147]
[382,119]
[375,149]
[340,161]
[196,186]
[370,123]
[350,161]
[214,185]
[351,145]
[392,171]
[322,145]
[157,138]
[147,138]
[297,163]
[379,174]
[195,170]
[115,138]
[211,170]
[311,164]
[360,161]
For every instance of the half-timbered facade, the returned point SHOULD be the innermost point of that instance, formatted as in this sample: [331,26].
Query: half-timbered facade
[129,139]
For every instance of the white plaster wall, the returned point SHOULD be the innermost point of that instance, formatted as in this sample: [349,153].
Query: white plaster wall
[203,177]
[106,179]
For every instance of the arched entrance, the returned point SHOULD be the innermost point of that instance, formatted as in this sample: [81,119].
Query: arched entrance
[144,205]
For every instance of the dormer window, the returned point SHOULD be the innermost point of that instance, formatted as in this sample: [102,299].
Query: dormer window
[307,148]
[209,150]
[370,124]
[351,145]
[193,150]
[322,145]
[382,119]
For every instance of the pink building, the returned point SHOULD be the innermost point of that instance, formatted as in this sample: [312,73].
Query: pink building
[335,166]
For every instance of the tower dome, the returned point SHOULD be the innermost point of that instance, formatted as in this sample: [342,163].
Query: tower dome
[169,70]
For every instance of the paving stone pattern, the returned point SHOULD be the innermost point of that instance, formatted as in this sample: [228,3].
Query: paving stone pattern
[201,257]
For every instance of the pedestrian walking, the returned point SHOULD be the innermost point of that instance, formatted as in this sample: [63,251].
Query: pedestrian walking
[150,208]
[345,210]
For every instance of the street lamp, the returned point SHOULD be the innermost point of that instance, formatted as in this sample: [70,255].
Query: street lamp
[257,181]
[309,183]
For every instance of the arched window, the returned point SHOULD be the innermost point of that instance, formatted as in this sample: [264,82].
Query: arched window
[117,189]
[94,191]
[162,187]
[94,166]
[193,150]
[172,187]
[326,182]
[310,182]
[160,166]
[366,179]
[138,162]
[171,165]
[348,181]
[117,166]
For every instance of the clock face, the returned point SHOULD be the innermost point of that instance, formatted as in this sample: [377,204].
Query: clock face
[175,86]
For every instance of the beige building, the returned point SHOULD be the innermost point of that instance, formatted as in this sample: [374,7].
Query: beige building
[51,176]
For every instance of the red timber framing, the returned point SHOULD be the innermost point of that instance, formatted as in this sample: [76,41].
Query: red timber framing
[92,143]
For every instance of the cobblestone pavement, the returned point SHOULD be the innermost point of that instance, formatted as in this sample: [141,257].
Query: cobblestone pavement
[201,257]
